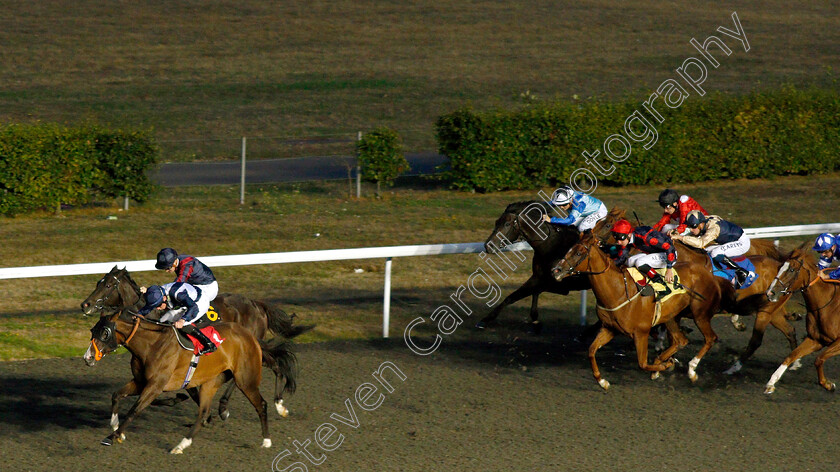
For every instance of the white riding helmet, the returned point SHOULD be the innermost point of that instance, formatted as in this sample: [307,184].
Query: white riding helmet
[562,196]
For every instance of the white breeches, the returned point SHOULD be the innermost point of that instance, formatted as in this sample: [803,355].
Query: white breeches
[657,260]
[589,221]
[732,249]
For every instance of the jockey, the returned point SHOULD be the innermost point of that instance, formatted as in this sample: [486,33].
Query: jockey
[656,251]
[720,238]
[178,301]
[584,210]
[190,270]
[676,207]
[826,245]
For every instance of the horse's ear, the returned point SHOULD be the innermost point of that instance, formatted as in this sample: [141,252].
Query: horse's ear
[114,269]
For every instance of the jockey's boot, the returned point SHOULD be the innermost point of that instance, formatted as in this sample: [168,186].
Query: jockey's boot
[646,289]
[205,341]
[741,274]
[655,277]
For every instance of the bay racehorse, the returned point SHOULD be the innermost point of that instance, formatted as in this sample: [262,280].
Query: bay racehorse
[751,300]
[822,322]
[622,310]
[522,221]
[117,291]
[164,364]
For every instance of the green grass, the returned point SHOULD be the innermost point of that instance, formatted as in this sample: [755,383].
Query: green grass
[220,70]
[41,317]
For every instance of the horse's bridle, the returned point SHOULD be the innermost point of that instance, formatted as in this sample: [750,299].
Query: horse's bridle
[585,255]
[98,303]
[786,289]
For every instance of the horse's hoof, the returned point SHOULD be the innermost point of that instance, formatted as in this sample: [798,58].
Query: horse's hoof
[224,415]
[536,328]
[281,409]
[768,390]
[179,449]
[107,441]
[655,376]
[735,367]
[829,386]
[693,377]
[739,326]
[266,443]
[604,384]
[121,438]
[481,325]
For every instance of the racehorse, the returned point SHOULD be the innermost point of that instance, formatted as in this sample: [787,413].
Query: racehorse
[622,310]
[800,273]
[164,364]
[523,221]
[116,291]
[751,300]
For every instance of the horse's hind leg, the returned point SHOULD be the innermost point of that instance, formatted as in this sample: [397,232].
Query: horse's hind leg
[808,346]
[252,393]
[678,341]
[223,401]
[205,398]
[640,338]
[762,319]
[780,322]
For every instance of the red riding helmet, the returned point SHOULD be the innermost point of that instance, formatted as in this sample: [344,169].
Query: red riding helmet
[621,229]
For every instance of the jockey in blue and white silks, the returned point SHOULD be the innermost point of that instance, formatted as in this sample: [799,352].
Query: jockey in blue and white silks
[178,302]
[584,210]
[826,245]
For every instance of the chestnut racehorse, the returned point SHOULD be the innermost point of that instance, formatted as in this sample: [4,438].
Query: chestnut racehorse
[822,300]
[749,301]
[116,291]
[165,363]
[622,310]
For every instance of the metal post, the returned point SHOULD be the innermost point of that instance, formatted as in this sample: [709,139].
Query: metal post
[583,307]
[242,174]
[359,172]
[125,203]
[386,302]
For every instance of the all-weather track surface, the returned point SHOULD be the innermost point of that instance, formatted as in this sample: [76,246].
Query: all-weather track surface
[498,400]
[260,171]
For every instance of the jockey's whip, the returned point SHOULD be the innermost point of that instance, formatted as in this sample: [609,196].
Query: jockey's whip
[638,221]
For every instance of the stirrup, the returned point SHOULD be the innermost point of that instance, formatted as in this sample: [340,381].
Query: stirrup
[207,350]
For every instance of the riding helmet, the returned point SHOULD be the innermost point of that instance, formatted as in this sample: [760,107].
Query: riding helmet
[694,218]
[154,297]
[668,197]
[562,196]
[621,229]
[824,242]
[165,258]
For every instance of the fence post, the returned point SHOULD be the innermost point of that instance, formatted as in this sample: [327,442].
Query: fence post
[125,203]
[242,174]
[359,172]
[583,307]
[386,302]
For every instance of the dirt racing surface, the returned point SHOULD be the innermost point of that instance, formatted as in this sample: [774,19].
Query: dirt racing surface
[485,401]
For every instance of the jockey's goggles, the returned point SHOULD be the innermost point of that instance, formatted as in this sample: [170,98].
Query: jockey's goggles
[620,236]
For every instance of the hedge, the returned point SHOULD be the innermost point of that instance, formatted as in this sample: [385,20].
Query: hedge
[780,132]
[381,156]
[44,165]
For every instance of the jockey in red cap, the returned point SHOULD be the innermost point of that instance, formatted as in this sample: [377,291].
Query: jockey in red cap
[656,252]
[676,207]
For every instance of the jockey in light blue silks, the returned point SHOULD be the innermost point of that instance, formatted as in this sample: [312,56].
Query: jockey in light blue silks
[826,245]
[583,210]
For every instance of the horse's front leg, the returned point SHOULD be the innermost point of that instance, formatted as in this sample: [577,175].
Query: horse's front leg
[640,339]
[148,393]
[808,346]
[678,341]
[130,388]
[604,336]
[528,288]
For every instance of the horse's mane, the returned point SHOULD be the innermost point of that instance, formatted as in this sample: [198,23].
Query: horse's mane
[131,281]
[800,253]
[518,207]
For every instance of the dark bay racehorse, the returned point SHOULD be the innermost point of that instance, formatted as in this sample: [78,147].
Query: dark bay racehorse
[118,291]
[822,300]
[622,310]
[163,365]
[523,221]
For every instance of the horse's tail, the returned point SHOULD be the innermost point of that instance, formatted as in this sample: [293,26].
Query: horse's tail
[278,356]
[280,323]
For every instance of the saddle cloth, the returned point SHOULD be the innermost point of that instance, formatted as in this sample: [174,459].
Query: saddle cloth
[657,287]
[729,274]
[192,344]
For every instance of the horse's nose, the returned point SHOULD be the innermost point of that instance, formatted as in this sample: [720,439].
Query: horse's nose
[85,305]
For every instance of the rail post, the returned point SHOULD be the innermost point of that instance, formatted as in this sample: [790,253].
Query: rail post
[386,301]
[242,173]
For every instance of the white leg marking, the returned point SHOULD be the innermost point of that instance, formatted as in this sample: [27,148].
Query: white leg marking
[179,449]
[115,421]
[771,385]
[691,369]
[604,384]
[735,367]
[796,365]
[281,410]
[266,443]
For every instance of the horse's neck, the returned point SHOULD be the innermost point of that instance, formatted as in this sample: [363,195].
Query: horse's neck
[554,242]
[130,290]
[146,341]
[607,280]
[821,296]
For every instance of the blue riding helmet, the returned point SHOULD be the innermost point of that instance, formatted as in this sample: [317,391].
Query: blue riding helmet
[154,297]
[165,258]
[694,218]
[824,242]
